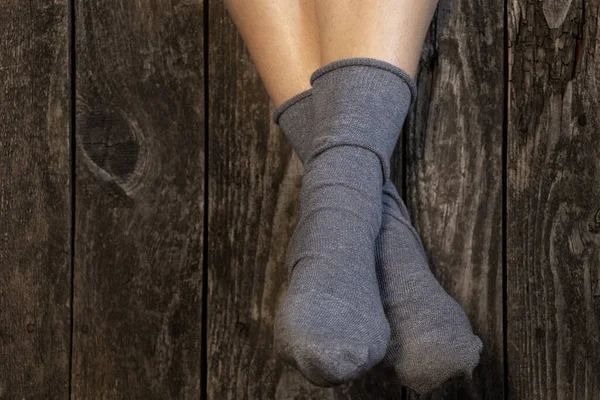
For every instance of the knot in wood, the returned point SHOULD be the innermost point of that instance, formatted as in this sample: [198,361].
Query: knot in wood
[109,141]
[594,226]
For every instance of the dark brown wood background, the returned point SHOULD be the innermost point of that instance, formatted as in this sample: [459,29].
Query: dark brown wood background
[146,200]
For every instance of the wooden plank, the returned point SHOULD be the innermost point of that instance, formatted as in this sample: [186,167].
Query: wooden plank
[35,201]
[454,172]
[139,199]
[254,183]
[553,248]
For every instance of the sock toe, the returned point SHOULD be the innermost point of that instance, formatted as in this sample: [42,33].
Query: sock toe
[450,360]
[330,353]
[326,363]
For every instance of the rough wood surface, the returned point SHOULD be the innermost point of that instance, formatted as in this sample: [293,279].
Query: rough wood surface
[139,208]
[554,200]
[35,201]
[253,182]
[454,173]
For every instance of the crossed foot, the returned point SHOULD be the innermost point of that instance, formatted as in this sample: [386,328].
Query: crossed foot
[360,288]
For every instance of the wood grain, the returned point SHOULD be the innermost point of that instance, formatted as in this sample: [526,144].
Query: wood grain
[139,209]
[253,183]
[454,173]
[35,201]
[554,201]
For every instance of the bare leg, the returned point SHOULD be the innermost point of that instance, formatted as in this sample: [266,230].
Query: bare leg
[388,30]
[283,39]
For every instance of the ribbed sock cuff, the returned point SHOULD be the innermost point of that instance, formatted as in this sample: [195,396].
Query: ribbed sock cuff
[360,102]
[288,103]
[368,62]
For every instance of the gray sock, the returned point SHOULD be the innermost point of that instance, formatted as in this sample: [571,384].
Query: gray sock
[331,325]
[431,338]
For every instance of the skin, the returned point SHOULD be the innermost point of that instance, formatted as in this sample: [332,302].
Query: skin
[388,30]
[289,39]
[282,37]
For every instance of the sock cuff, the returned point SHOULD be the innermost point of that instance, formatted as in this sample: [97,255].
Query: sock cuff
[360,102]
[368,62]
[288,103]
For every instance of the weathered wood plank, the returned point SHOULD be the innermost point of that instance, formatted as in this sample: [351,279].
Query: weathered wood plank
[254,183]
[139,199]
[252,192]
[454,172]
[35,205]
[553,248]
